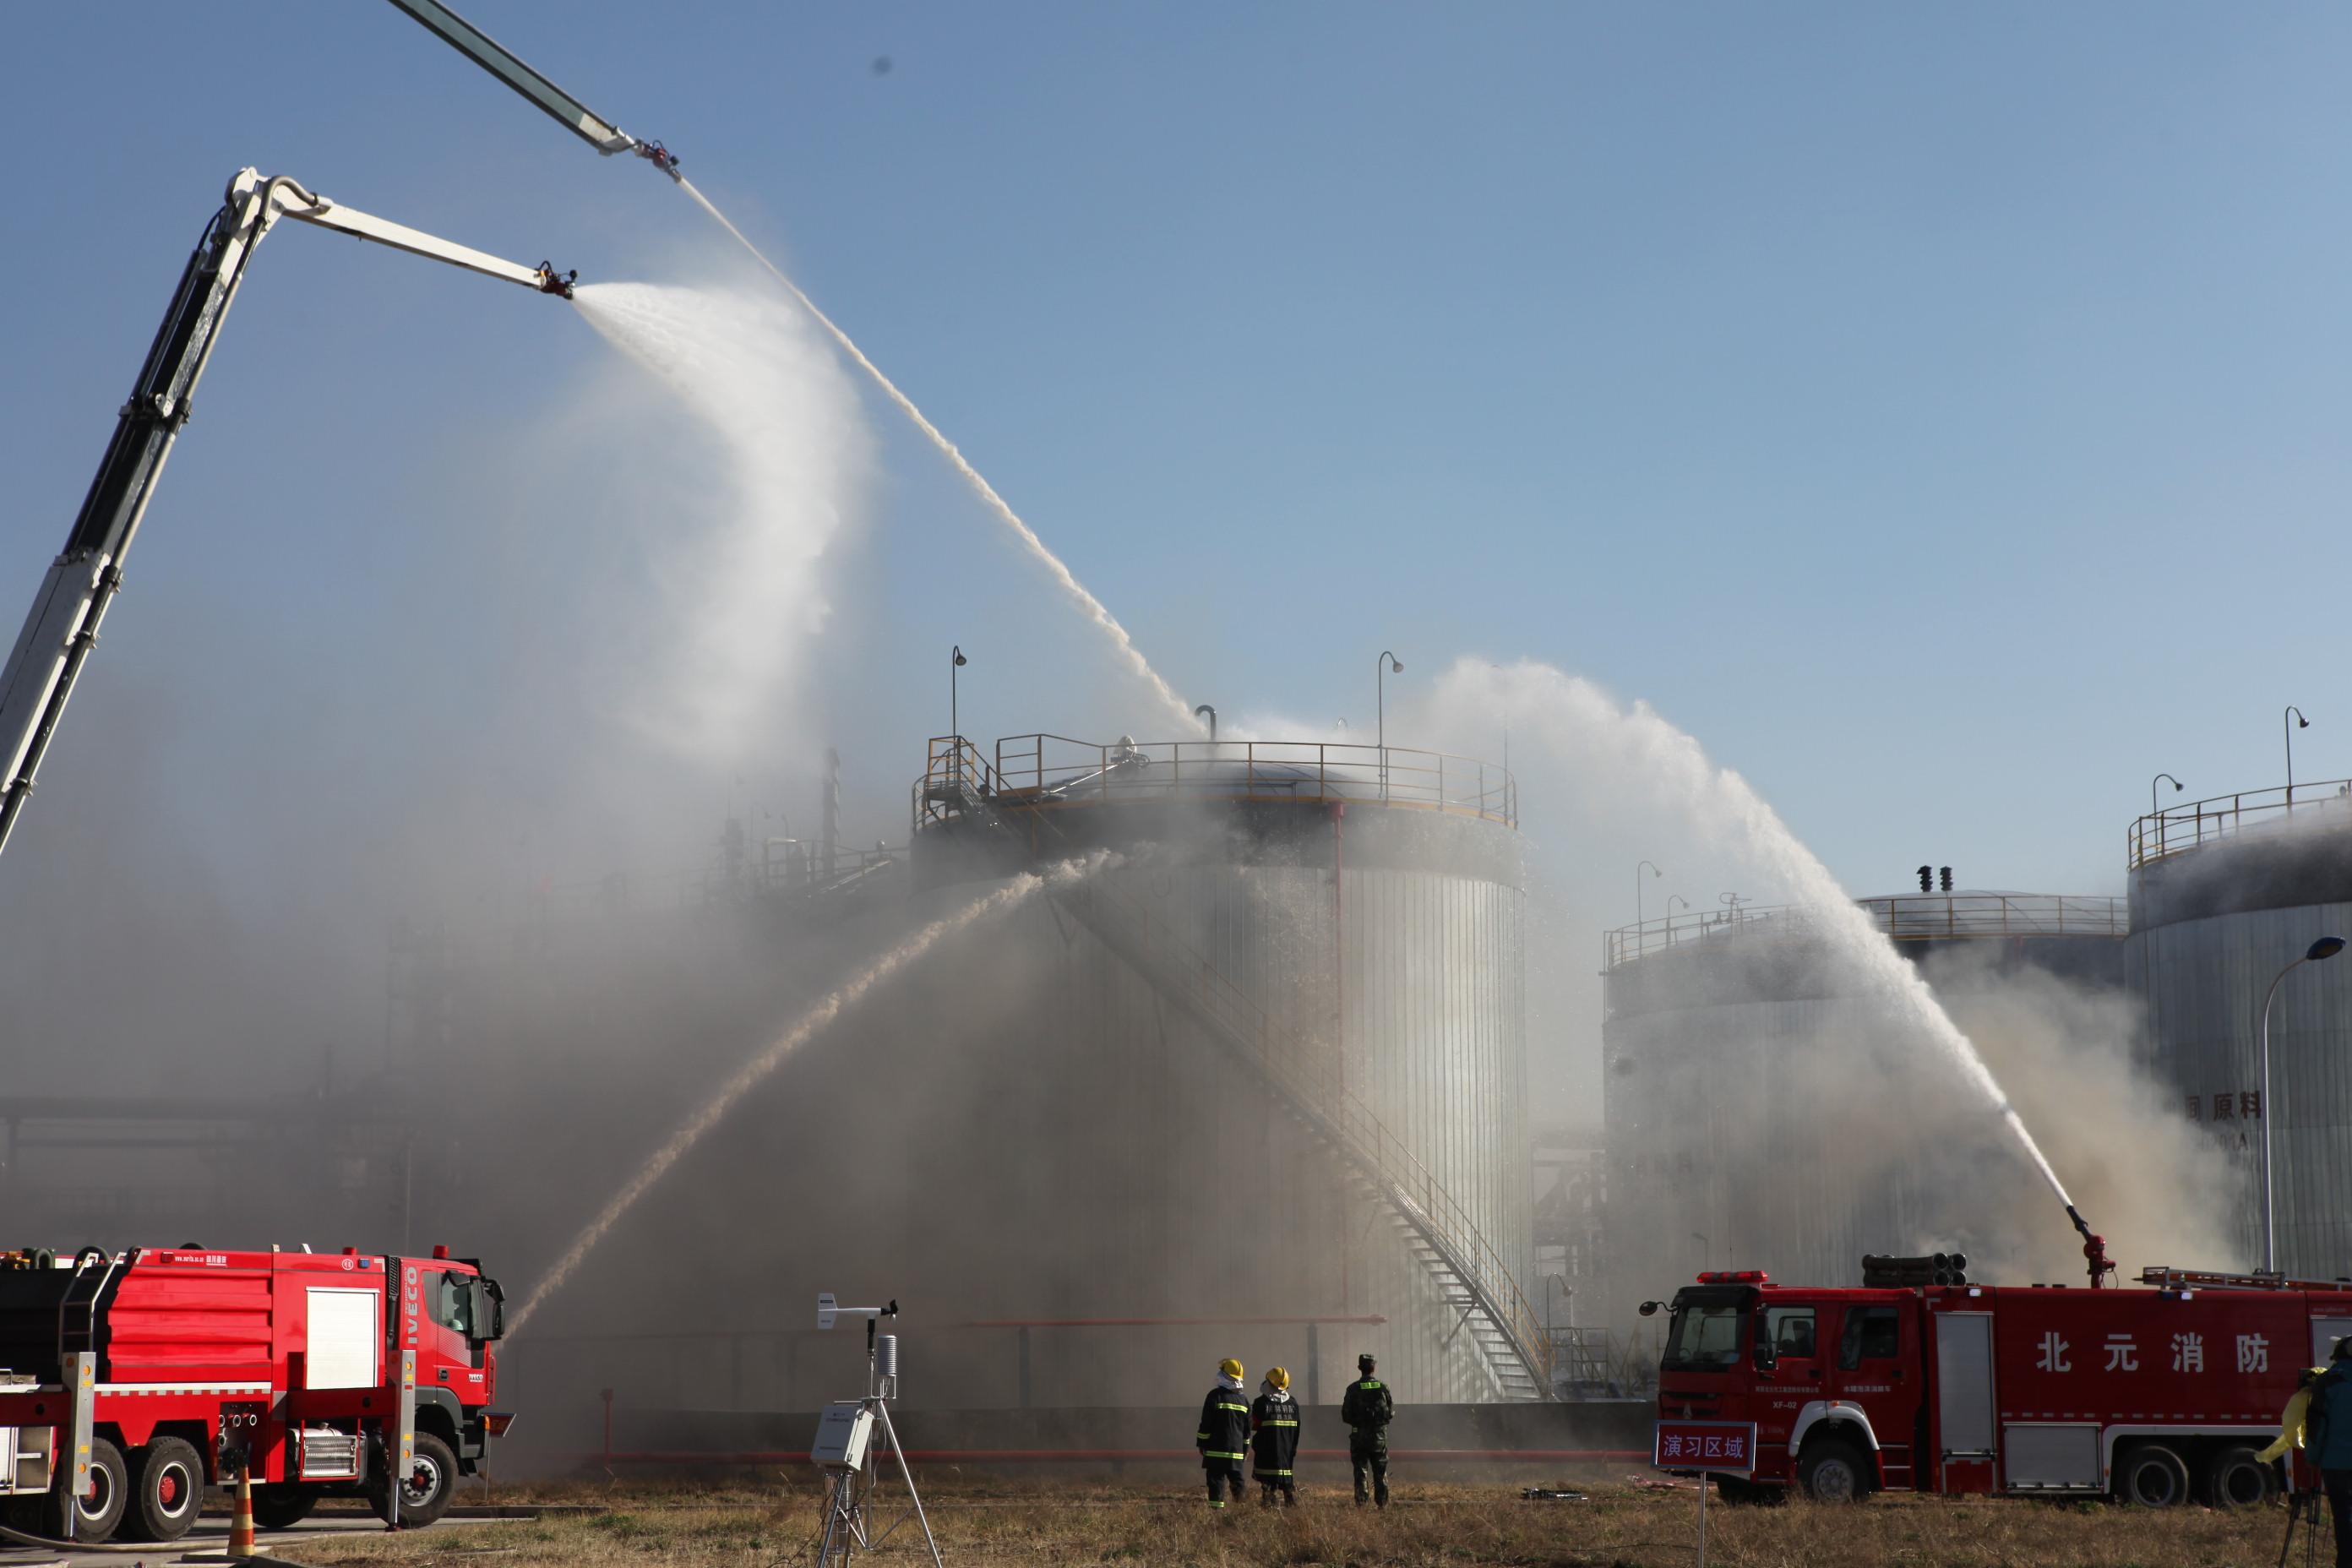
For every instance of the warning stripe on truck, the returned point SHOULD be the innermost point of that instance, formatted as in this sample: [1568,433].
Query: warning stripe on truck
[116,1388]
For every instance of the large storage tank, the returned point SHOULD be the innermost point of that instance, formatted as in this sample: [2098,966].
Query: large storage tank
[1295,997]
[2225,894]
[1728,1037]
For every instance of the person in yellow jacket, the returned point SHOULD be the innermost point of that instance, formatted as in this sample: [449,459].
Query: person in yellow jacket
[2290,1419]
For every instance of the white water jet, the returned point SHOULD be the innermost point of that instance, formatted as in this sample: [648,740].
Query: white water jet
[830,1007]
[1053,563]
[796,460]
[1596,737]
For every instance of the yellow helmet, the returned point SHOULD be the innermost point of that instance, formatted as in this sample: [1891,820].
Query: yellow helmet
[1230,1367]
[1279,1377]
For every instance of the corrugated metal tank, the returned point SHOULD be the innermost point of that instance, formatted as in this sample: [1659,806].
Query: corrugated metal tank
[1176,1184]
[2225,895]
[1722,1036]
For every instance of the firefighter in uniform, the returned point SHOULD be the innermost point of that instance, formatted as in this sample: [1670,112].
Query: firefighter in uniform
[1274,1439]
[2327,1442]
[1367,1410]
[1225,1433]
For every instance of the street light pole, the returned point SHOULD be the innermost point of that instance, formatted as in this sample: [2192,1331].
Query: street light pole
[1388,664]
[1211,712]
[2325,947]
[2300,723]
[2156,815]
[956,661]
[1637,890]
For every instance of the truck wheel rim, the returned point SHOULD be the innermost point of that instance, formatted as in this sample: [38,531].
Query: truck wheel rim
[1837,1481]
[94,1502]
[174,1488]
[423,1482]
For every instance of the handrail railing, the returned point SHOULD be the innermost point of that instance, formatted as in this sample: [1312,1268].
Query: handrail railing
[1923,917]
[1311,1081]
[1046,770]
[2178,829]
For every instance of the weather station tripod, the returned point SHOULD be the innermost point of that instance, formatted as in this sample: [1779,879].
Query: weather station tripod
[855,1439]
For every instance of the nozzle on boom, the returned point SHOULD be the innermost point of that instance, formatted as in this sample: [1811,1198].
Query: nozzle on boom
[550,281]
[661,158]
[2095,1248]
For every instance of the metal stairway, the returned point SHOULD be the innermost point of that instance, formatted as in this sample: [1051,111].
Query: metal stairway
[1434,1229]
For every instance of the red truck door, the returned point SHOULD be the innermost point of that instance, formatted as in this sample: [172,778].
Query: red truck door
[1791,1377]
[1874,1367]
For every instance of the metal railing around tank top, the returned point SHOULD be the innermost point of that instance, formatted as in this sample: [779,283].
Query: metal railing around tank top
[2179,828]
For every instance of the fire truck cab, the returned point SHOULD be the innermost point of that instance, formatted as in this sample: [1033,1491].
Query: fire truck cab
[2155,1395]
[130,1382]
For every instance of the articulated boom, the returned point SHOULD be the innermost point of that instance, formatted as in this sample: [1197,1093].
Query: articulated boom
[81,584]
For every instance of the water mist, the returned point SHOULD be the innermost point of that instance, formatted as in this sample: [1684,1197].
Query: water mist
[1055,567]
[774,1056]
[1578,720]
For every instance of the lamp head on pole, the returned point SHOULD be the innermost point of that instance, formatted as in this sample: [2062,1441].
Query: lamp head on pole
[1396,665]
[2325,947]
[2300,722]
[960,659]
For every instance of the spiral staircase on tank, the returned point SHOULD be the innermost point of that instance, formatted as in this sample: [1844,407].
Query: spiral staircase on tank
[1439,1234]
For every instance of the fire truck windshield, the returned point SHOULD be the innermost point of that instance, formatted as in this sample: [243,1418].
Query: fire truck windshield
[1705,1338]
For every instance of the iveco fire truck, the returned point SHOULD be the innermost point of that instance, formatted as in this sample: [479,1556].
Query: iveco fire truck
[129,1382]
[2155,1395]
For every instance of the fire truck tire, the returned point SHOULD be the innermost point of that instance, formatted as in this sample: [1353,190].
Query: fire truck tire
[431,1486]
[97,1513]
[1833,1470]
[2237,1478]
[2153,1476]
[282,1507]
[169,1492]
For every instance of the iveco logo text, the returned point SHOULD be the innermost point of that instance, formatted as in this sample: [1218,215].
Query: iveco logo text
[410,1301]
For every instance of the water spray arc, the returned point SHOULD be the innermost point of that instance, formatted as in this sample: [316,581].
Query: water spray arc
[1055,567]
[1587,723]
[608,139]
[753,1072]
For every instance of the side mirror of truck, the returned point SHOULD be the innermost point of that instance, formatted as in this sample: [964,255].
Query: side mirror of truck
[1766,1357]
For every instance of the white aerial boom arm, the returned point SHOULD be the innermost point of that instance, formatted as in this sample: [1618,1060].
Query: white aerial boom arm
[82,582]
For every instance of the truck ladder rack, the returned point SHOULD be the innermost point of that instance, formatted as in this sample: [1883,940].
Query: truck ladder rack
[2164,1277]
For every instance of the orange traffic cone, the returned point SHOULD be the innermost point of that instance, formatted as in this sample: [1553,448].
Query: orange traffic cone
[240,1530]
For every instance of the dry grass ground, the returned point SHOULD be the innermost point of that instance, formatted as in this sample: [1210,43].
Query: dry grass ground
[1033,1523]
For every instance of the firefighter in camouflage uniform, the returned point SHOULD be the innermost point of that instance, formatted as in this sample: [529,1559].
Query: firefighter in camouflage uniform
[1367,1410]
[1274,1440]
[1225,1433]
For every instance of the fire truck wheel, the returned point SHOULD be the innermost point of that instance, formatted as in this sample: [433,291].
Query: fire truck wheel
[100,1510]
[282,1507]
[431,1486]
[2152,1476]
[2237,1478]
[1833,1470]
[170,1491]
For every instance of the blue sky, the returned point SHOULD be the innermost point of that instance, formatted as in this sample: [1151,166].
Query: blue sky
[1939,412]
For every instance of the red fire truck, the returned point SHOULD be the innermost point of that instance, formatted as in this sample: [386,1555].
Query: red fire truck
[130,1382]
[2153,1395]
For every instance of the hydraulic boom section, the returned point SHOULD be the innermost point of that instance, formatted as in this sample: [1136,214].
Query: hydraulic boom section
[82,582]
[502,63]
